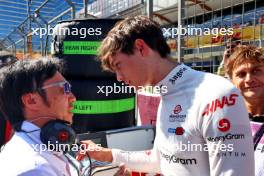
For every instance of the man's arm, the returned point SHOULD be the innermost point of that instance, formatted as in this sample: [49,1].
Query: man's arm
[221,69]
[228,137]
[140,161]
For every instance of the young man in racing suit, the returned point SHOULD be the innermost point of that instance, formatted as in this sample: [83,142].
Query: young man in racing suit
[202,126]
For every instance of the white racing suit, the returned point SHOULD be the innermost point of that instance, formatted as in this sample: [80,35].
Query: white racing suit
[202,129]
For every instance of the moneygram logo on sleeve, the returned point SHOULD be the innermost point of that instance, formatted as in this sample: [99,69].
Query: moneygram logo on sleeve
[81,32]
[228,136]
[175,159]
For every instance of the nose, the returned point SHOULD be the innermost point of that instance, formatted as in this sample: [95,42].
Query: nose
[72,97]
[248,77]
[119,76]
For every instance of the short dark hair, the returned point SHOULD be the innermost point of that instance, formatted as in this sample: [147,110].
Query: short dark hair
[123,35]
[21,77]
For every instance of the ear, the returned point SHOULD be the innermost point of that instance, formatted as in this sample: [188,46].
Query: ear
[142,47]
[30,100]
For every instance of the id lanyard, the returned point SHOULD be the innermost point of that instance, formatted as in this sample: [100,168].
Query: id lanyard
[257,137]
[67,157]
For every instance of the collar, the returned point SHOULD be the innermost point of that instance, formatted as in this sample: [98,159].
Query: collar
[33,133]
[176,79]
[258,118]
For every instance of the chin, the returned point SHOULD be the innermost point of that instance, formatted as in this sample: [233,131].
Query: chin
[69,121]
[68,118]
[251,95]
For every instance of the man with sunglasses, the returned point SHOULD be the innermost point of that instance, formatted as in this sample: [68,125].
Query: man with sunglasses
[32,94]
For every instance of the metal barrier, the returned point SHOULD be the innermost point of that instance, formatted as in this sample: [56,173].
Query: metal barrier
[203,52]
[23,40]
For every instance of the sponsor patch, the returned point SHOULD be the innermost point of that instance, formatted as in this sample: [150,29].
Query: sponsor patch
[177,131]
[220,104]
[175,159]
[228,136]
[224,125]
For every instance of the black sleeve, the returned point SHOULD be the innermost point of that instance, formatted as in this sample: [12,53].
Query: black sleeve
[2,129]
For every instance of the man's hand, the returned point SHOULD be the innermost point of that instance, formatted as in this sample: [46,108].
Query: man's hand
[95,151]
[123,171]
[230,47]
[226,55]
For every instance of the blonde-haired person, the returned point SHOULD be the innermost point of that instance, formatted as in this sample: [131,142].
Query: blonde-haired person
[245,68]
